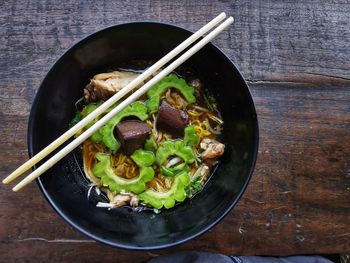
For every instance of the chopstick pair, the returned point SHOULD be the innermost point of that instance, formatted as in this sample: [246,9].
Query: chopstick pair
[116,97]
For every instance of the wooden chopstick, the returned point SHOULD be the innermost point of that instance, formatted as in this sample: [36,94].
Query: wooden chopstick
[75,143]
[116,97]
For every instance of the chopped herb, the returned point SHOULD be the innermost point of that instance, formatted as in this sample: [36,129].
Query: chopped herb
[196,184]
[209,101]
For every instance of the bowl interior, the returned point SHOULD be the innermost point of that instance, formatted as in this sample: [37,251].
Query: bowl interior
[66,188]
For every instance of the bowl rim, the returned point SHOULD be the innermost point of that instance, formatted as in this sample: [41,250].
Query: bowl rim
[106,241]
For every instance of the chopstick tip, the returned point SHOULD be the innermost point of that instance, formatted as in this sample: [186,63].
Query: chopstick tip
[19,186]
[16,188]
[5,181]
[230,19]
[12,176]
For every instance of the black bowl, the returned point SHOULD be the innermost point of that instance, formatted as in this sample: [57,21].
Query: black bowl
[66,189]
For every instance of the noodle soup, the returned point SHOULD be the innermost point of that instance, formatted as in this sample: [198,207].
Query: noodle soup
[156,152]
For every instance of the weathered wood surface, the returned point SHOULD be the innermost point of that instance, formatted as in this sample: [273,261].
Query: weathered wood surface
[295,57]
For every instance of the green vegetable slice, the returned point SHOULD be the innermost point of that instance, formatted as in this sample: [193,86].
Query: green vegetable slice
[174,171]
[180,168]
[143,158]
[166,171]
[191,138]
[105,135]
[103,170]
[77,117]
[151,145]
[96,137]
[167,199]
[171,81]
[177,148]
[90,108]
[85,112]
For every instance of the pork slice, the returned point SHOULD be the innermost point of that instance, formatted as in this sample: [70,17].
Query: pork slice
[105,85]
[171,120]
[132,135]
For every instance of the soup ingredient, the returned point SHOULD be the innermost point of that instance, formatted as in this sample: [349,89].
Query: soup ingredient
[103,169]
[197,180]
[90,108]
[171,148]
[173,161]
[77,117]
[171,120]
[124,199]
[151,145]
[86,111]
[171,81]
[89,152]
[105,85]
[132,134]
[174,171]
[212,148]
[209,101]
[158,199]
[143,158]
[174,98]
[121,200]
[191,138]
[105,135]
[167,172]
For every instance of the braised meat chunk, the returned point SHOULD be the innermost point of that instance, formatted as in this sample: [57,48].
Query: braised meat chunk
[132,135]
[171,120]
[212,149]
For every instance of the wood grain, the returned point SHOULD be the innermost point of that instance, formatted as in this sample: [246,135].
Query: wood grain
[295,56]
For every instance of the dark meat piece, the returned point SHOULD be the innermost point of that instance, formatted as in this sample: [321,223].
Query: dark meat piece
[132,134]
[171,120]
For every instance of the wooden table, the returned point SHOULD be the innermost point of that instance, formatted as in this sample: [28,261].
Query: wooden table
[296,59]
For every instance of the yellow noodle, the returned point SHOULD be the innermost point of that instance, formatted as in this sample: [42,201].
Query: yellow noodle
[194,113]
